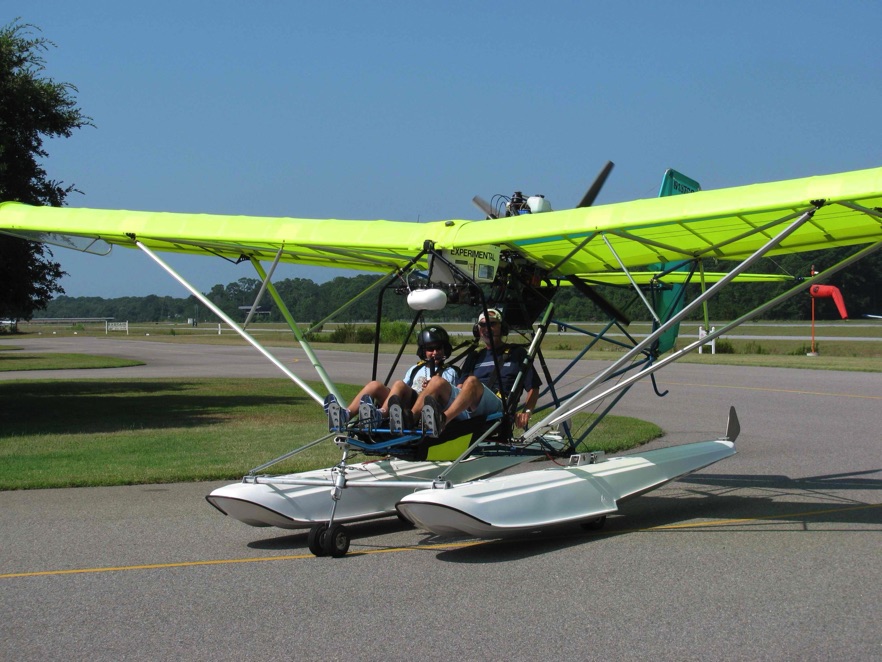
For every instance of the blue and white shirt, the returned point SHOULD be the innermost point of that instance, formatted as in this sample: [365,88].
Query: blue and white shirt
[419,375]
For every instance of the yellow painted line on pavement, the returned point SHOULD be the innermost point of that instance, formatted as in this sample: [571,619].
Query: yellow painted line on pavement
[421,548]
[153,566]
[257,559]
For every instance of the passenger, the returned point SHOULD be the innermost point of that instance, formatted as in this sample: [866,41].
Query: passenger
[477,392]
[433,348]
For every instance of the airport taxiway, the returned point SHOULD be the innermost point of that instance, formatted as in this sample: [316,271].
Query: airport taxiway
[775,553]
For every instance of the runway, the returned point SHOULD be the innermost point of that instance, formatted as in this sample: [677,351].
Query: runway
[773,554]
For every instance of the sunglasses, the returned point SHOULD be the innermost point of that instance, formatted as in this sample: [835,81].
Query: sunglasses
[484,325]
[432,348]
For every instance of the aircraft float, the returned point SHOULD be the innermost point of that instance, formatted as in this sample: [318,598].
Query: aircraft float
[516,260]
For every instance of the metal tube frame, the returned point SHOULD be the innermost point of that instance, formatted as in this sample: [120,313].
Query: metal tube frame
[351,302]
[557,417]
[292,324]
[631,278]
[266,279]
[299,449]
[233,325]
[652,337]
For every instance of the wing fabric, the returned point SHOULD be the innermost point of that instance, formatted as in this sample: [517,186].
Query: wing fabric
[726,223]
[362,245]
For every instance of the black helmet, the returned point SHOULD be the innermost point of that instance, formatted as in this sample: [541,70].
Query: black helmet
[433,335]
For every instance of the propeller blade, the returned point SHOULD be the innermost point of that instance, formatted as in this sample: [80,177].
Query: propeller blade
[588,199]
[484,206]
[599,300]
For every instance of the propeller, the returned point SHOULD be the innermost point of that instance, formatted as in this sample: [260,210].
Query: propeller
[599,300]
[588,199]
[484,206]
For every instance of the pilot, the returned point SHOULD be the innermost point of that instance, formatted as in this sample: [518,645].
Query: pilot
[478,392]
[433,347]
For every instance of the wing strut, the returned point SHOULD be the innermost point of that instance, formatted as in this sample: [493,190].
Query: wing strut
[631,278]
[266,280]
[599,300]
[217,311]
[571,407]
[289,318]
[380,281]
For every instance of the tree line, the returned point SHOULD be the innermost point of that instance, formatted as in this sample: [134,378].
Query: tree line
[310,302]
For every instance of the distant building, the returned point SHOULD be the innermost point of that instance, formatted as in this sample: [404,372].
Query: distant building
[260,310]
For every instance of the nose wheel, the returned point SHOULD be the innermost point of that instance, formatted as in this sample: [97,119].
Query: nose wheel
[328,541]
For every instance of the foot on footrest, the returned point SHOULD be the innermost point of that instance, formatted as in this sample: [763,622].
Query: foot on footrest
[396,415]
[338,417]
[368,415]
[433,417]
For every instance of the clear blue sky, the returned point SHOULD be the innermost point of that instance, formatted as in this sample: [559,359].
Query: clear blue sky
[405,110]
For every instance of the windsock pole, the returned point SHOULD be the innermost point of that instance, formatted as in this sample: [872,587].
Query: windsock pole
[813,352]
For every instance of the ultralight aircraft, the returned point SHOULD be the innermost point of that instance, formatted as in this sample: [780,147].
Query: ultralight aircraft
[515,260]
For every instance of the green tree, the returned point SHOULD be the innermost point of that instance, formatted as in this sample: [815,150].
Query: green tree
[32,108]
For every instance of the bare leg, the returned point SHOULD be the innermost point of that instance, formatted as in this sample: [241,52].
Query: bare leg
[438,388]
[469,396]
[403,391]
[377,390]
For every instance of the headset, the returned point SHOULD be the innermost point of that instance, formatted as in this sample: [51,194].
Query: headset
[492,312]
[433,335]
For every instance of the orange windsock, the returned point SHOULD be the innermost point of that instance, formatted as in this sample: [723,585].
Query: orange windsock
[821,291]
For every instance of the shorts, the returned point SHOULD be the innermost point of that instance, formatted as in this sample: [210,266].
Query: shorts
[488,404]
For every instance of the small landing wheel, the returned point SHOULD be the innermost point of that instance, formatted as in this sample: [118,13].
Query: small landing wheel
[336,541]
[316,539]
[595,524]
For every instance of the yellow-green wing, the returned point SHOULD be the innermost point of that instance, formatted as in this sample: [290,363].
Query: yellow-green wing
[727,223]
[363,245]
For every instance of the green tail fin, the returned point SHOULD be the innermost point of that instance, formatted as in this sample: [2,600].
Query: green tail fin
[669,302]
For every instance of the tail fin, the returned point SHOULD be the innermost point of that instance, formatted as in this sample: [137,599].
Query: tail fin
[670,301]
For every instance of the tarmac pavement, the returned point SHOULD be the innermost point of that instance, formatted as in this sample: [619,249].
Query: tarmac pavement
[774,554]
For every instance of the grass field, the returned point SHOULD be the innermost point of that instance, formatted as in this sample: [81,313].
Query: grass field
[60,433]
[118,432]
